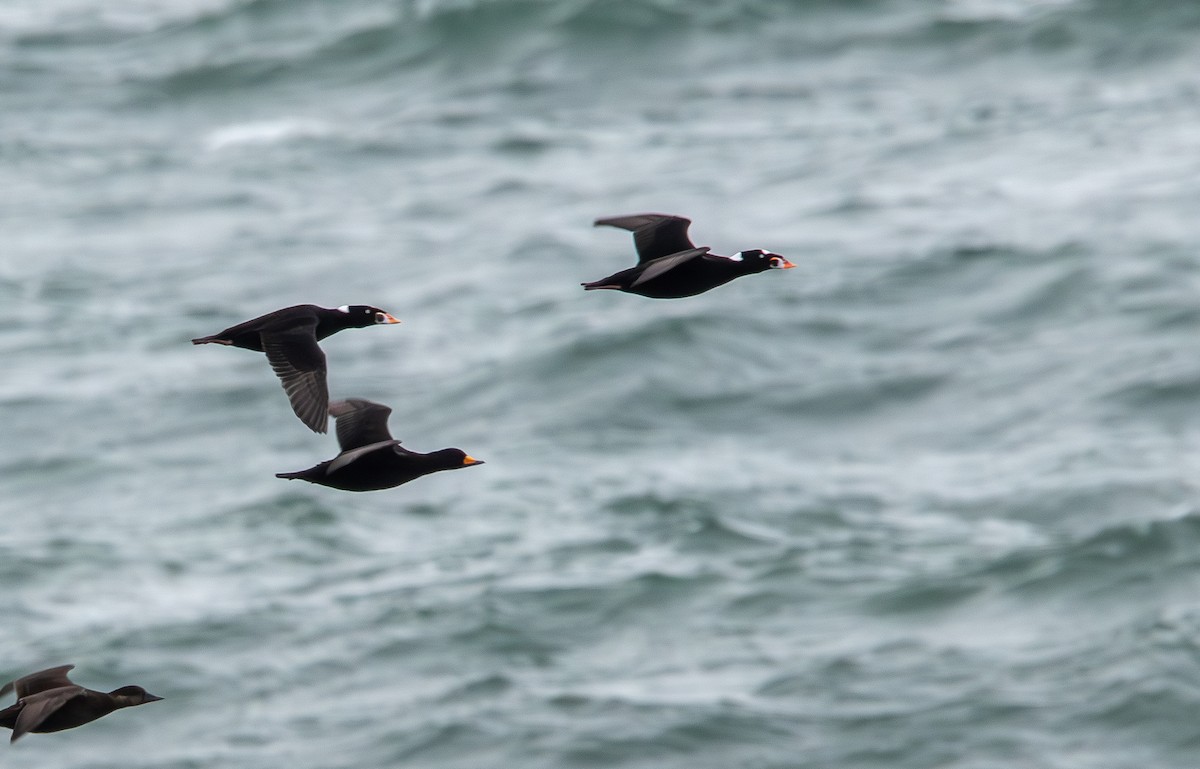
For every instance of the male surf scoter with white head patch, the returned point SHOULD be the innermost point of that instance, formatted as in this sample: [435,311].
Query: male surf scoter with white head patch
[289,338]
[670,266]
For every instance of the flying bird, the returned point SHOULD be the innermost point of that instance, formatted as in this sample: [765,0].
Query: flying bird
[371,459]
[48,701]
[289,338]
[670,266]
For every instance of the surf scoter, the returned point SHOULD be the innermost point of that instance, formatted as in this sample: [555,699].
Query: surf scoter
[289,338]
[371,459]
[48,701]
[670,266]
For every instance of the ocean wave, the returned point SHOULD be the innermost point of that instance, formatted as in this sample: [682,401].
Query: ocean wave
[1157,546]
[670,735]
[353,30]
[1171,387]
[728,379]
[59,21]
[267,132]
[478,688]
[213,49]
[579,610]
[1105,564]
[1001,10]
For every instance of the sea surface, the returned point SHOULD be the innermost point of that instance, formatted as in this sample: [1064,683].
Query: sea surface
[930,499]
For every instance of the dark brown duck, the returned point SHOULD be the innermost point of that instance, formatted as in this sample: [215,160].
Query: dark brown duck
[289,338]
[48,701]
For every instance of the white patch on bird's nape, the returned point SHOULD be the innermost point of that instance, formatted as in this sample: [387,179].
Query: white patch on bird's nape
[344,308]
[736,257]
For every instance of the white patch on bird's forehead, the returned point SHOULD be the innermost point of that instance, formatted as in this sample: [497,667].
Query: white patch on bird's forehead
[344,308]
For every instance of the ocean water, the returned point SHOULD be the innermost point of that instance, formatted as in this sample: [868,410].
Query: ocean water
[927,500]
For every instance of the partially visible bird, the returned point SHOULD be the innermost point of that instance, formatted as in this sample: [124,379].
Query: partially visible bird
[289,338]
[48,701]
[670,266]
[371,459]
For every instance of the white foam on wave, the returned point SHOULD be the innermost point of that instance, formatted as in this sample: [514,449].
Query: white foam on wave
[999,10]
[35,16]
[265,132]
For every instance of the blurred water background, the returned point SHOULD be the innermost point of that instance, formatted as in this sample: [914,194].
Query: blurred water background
[927,500]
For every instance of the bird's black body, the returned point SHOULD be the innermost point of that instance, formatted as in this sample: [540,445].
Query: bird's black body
[371,459]
[670,266]
[48,701]
[383,468]
[289,338]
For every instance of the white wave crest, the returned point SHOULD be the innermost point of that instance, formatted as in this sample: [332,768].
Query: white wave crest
[266,132]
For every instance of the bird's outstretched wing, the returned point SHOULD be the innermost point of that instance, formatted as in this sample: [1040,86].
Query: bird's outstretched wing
[300,365]
[43,680]
[360,422]
[654,235]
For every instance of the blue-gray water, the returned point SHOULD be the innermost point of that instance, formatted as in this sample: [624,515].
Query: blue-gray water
[927,500]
